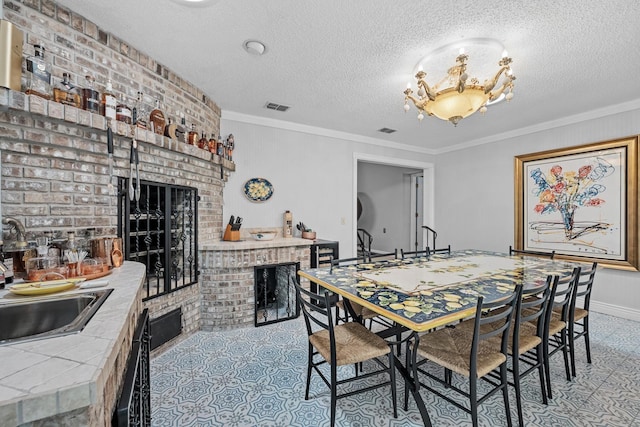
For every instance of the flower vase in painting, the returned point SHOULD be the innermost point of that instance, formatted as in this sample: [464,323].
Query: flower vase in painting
[566,191]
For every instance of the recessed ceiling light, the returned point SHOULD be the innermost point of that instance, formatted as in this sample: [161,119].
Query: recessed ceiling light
[254,47]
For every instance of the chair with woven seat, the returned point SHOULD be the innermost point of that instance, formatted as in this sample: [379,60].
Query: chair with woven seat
[473,352]
[361,312]
[443,250]
[579,315]
[345,344]
[549,255]
[383,256]
[556,331]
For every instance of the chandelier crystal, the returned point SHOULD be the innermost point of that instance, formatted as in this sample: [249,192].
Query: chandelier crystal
[457,95]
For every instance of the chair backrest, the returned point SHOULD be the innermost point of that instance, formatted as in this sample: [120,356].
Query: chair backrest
[445,250]
[381,256]
[532,307]
[343,262]
[491,319]
[315,313]
[584,286]
[415,254]
[364,241]
[549,255]
[562,292]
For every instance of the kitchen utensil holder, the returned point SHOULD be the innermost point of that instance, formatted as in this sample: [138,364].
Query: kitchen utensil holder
[231,235]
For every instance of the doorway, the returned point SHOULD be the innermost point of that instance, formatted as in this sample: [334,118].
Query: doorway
[391,229]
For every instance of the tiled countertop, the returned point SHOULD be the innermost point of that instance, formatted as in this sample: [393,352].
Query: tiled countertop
[39,379]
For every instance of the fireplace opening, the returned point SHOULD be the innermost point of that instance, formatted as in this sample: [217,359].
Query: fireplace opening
[275,294]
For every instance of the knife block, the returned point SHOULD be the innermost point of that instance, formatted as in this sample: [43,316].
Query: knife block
[231,235]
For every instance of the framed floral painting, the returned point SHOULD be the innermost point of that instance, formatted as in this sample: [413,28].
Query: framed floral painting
[581,202]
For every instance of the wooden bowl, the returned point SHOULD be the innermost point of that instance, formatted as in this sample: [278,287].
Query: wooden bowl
[311,235]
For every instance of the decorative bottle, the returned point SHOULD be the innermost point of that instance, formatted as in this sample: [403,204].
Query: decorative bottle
[230,146]
[212,145]
[38,74]
[90,96]
[66,93]
[139,113]
[123,112]
[287,230]
[203,143]
[192,138]
[109,102]
[157,120]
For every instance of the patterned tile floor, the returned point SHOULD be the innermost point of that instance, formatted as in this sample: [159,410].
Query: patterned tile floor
[256,377]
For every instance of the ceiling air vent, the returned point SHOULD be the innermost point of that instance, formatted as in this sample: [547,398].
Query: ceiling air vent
[386,130]
[277,107]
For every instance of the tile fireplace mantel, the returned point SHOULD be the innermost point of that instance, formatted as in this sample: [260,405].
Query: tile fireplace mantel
[226,277]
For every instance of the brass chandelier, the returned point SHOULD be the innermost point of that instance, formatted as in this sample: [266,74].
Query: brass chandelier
[457,96]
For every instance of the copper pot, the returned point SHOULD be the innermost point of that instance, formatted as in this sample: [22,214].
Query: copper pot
[109,249]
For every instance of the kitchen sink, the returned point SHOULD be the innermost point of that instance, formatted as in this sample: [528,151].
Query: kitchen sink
[48,317]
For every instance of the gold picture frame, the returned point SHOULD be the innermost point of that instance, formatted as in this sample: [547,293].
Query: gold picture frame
[581,202]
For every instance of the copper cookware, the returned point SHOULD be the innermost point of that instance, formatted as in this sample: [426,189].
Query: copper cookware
[109,249]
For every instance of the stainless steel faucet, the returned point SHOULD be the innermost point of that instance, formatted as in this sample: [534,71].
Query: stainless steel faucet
[21,235]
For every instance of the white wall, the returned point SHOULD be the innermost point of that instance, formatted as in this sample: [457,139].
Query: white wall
[313,177]
[475,198]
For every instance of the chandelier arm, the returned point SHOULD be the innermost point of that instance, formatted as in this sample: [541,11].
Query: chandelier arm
[430,93]
[488,87]
[417,102]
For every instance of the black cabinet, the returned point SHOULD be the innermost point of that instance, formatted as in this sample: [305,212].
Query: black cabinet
[322,252]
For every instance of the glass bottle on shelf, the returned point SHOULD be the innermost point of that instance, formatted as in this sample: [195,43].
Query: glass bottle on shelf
[157,119]
[181,131]
[213,144]
[109,102]
[139,113]
[203,143]
[66,93]
[90,96]
[38,74]
[123,112]
[192,138]
[220,147]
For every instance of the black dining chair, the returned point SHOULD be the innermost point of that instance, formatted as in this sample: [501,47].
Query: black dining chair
[556,331]
[549,255]
[383,256]
[349,343]
[443,250]
[579,314]
[472,351]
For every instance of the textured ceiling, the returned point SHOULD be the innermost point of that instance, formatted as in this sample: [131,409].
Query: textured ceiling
[343,65]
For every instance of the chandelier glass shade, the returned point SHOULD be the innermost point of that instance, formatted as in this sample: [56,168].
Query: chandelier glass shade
[457,95]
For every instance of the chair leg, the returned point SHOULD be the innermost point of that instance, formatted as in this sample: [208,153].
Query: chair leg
[309,367]
[565,346]
[407,364]
[540,359]
[587,344]
[392,378]
[334,393]
[547,371]
[505,393]
[473,400]
[516,386]
[572,347]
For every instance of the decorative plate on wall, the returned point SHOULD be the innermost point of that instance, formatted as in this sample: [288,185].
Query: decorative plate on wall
[258,189]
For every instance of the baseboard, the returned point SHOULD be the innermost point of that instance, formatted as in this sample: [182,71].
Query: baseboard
[615,310]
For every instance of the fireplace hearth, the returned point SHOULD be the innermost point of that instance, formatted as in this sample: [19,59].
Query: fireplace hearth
[275,296]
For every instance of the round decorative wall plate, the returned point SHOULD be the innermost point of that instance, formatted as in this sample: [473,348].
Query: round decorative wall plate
[258,189]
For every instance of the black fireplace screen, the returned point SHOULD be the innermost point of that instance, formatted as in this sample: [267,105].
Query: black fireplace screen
[160,230]
[275,294]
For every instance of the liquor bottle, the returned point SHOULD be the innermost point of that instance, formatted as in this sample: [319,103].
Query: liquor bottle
[109,102]
[203,143]
[230,146]
[213,144]
[192,138]
[181,129]
[123,112]
[157,120]
[38,74]
[139,113]
[66,93]
[90,96]
[220,148]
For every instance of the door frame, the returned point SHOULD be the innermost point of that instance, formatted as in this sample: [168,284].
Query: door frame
[428,196]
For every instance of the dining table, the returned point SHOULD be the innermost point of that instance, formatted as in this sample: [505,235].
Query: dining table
[423,293]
